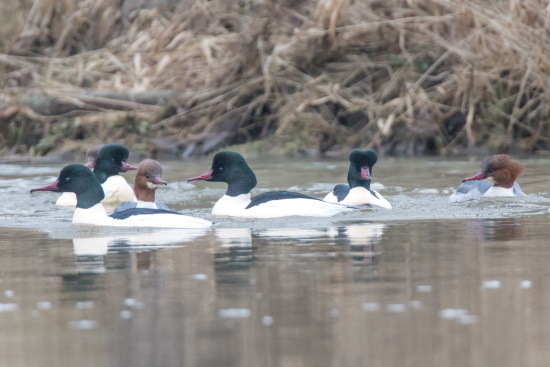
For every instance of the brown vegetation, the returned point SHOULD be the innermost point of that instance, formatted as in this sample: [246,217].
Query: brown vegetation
[402,76]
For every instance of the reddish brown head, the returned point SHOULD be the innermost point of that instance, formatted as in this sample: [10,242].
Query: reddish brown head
[501,168]
[148,178]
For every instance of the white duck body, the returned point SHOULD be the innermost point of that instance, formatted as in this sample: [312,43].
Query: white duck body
[96,215]
[117,190]
[240,206]
[360,196]
[66,199]
[499,192]
[231,168]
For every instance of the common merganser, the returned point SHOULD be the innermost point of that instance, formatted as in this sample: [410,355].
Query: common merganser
[148,179]
[69,198]
[110,162]
[358,192]
[231,168]
[504,172]
[89,210]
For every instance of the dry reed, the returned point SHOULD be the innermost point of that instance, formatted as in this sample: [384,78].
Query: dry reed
[402,76]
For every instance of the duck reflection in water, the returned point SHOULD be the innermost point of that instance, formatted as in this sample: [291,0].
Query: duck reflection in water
[508,229]
[360,238]
[236,246]
[91,251]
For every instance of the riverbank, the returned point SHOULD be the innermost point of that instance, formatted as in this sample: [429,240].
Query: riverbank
[403,77]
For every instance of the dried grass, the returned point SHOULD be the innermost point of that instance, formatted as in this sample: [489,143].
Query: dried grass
[403,76]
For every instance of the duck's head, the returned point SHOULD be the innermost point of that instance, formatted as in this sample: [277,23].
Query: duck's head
[501,168]
[148,178]
[80,180]
[360,167]
[149,175]
[111,161]
[231,168]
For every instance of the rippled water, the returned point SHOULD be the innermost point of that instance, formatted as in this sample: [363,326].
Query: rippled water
[426,284]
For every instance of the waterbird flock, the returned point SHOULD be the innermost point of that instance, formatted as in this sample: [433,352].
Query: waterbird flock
[138,207]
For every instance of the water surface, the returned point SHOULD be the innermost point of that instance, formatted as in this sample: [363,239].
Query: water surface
[426,284]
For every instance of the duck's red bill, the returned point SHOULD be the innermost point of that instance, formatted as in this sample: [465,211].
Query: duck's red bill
[479,176]
[365,173]
[52,187]
[159,181]
[127,167]
[90,164]
[206,176]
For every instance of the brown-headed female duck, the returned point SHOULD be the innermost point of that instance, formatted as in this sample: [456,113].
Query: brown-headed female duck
[502,169]
[148,179]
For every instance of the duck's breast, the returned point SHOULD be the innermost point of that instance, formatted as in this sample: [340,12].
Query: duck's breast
[233,206]
[362,196]
[499,192]
[116,189]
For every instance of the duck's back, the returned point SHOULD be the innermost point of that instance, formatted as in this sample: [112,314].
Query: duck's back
[284,203]
[140,204]
[338,194]
[357,196]
[145,217]
[137,217]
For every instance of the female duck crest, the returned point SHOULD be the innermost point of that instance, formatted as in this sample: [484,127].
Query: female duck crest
[501,168]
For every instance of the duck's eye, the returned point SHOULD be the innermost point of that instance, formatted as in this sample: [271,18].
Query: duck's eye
[67,178]
[147,176]
[221,168]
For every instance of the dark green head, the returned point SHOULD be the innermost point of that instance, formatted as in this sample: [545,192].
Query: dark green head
[80,180]
[111,161]
[361,162]
[231,168]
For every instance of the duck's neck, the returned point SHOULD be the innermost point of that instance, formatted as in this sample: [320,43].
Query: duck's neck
[95,214]
[144,194]
[243,185]
[90,197]
[505,181]
[353,181]
[101,175]
[103,169]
